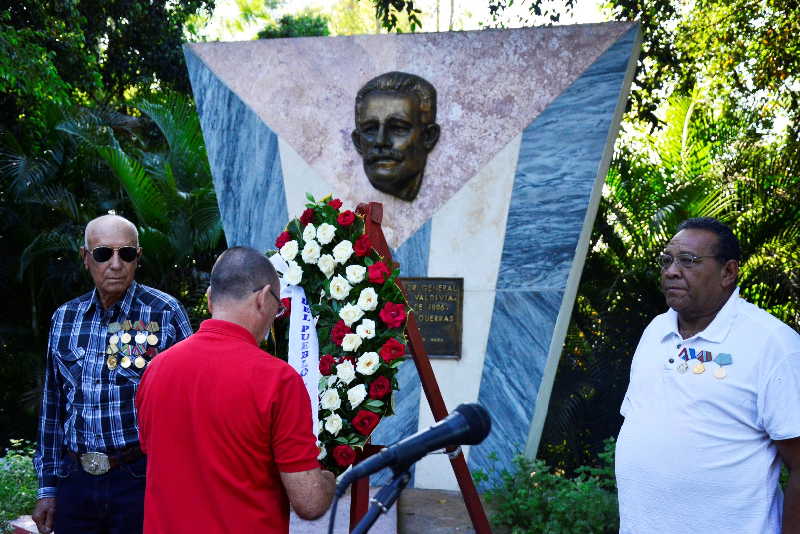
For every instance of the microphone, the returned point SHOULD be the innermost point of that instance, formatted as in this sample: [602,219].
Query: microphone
[469,424]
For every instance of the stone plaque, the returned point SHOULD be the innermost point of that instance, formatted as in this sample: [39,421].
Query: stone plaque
[438,305]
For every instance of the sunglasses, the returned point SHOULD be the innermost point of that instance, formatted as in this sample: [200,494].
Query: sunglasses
[103,254]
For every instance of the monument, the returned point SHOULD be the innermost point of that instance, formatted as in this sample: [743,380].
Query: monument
[502,197]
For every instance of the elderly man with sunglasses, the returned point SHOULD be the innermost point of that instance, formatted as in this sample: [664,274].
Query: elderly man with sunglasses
[713,405]
[226,427]
[91,469]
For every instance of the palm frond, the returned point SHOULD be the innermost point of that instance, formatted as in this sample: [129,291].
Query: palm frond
[53,242]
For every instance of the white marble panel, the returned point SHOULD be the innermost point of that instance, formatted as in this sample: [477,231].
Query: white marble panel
[467,237]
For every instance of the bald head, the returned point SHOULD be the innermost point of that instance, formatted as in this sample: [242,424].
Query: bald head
[239,271]
[110,224]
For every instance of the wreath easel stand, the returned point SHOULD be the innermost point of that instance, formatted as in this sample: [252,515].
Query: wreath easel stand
[359,497]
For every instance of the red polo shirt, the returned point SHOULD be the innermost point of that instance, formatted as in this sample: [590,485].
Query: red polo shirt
[218,420]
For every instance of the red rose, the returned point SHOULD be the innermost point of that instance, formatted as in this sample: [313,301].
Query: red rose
[287,303]
[378,272]
[393,314]
[326,364]
[346,218]
[282,239]
[362,245]
[365,421]
[338,332]
[391,350]
[307,216]
[379,388]
[335,203]
[344,455]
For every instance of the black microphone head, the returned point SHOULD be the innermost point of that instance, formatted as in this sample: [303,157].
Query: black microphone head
[478,421]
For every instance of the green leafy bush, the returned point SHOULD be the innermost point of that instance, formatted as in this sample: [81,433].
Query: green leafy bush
[18,482]
[535,499]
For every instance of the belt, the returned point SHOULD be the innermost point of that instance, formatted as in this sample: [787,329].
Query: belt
[100,463]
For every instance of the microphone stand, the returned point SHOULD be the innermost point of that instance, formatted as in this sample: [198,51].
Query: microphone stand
[383,501]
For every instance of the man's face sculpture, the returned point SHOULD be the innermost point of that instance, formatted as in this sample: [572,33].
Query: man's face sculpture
[394,142]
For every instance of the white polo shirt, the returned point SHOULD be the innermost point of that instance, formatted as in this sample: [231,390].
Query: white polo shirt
[696,451]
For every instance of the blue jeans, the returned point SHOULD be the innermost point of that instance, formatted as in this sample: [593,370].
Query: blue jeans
[112,503]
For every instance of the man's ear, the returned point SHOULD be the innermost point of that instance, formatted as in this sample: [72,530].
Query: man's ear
[730,272]
[208,300]
[356,137]
[430,136]
[84,258]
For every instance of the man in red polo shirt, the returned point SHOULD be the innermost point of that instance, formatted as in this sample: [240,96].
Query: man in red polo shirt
[225,426]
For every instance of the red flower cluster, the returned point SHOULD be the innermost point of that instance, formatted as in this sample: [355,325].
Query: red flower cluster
[379,388]
[338,332]
[391,350]
[361,246]
[378,272]
[344,455]
[335,203]
[346,218]
[393,314]
[307,216]
[282,239]
[365,421]
[326,363]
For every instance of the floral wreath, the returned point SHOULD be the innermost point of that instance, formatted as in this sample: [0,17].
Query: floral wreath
[361,317]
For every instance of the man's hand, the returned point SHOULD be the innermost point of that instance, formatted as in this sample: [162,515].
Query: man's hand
[44,514]
[310,492]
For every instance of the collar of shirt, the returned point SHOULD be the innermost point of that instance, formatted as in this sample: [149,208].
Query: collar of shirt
[227,328]
[715,332]
[121,308]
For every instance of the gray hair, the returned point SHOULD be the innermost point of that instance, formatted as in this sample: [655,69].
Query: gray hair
[239,271]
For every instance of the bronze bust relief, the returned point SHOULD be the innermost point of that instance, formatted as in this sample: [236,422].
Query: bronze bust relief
[396,128]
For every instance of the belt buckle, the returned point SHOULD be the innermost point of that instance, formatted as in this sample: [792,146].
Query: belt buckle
[95,463]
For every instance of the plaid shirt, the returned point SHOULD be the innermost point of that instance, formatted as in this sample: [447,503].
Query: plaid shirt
[86,406]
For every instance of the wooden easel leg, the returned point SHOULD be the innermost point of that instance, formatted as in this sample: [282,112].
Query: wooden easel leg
[359,500]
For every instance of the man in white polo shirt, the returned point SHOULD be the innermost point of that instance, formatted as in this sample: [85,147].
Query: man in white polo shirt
[713,404]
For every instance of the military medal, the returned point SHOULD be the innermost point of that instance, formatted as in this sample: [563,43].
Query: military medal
[125,338]
[125,362]
[699,368]
[722,360]
[113,340]
[113,328]
[152,327]
[152,339]
[111,362]
[683,367]
[139,362]
[140,338]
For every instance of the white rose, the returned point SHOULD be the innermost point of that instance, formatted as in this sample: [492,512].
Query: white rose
[333,424]
[343,251]
[350,314]
[330,400]
[325,233]
[351,342]
[368,299]
[345,371]
[309,233]
[366,330]
[289,250]
[294,274]
[356,394]
[311,252]
[326,264]
[368,363]
[355,273]
[339,287]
